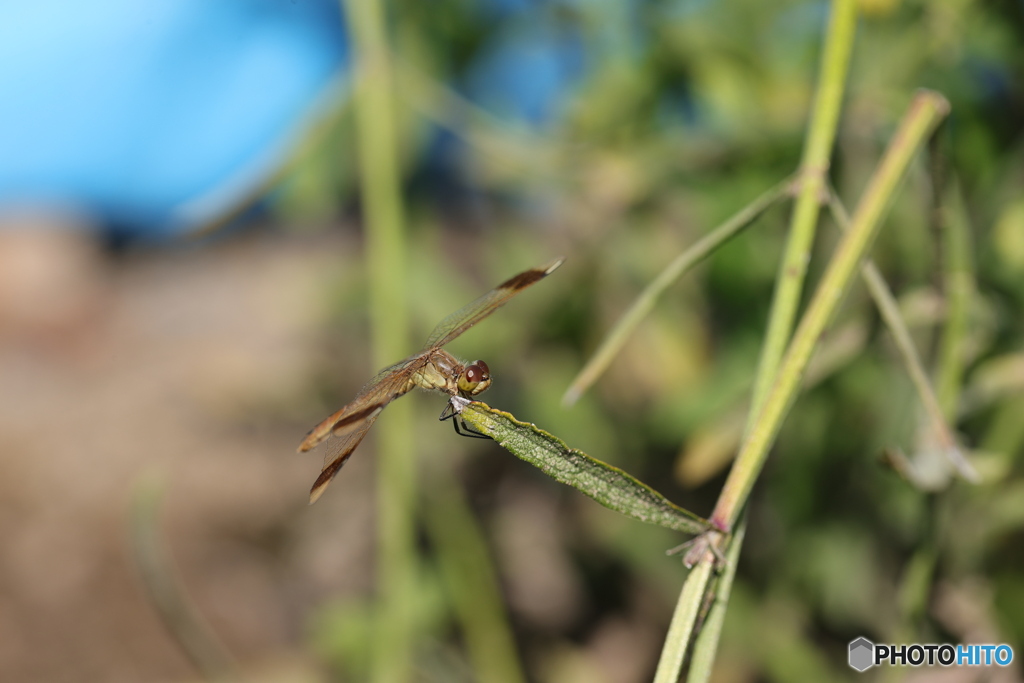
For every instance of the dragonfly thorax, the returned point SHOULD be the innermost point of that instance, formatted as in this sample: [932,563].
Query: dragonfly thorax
[442,372]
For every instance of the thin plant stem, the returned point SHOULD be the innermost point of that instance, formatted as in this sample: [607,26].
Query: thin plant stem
[814,165]
[926,110]
[890,312]
[706,643]
[958,287]
[643,304]
[673,652]
[813,170]
[443,105]
[473,586]
[163,586]
[385,258]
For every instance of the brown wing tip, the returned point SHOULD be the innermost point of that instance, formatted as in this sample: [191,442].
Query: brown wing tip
[528,277]
[316,492]
[320,485]
[313,438]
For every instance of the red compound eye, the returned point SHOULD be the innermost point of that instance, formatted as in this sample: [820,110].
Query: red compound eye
[475,377]
[475,373]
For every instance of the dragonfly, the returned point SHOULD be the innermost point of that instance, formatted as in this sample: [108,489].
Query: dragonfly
[431,368]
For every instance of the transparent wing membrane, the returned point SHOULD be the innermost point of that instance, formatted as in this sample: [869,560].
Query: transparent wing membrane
[469,315]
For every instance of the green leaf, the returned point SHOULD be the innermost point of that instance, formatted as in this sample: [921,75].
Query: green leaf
[608,485]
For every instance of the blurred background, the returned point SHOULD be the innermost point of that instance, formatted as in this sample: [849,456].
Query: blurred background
[183,294]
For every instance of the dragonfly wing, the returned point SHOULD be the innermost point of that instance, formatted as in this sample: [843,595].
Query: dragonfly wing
[386,385]
[339,449]
[345,429]
[467,316]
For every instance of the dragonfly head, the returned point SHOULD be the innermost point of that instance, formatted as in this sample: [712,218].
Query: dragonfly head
[475,378]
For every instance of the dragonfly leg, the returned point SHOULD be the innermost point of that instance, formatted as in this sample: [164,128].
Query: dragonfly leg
[681,547]
[698,546]
[461,428]
[466,430]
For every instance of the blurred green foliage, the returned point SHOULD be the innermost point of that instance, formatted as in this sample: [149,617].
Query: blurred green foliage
[686,112]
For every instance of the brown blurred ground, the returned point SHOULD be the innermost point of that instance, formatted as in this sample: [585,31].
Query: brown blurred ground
[184,366]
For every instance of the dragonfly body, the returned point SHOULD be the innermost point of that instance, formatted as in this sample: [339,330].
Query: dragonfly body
[440,371]
[432,368]
[435,370]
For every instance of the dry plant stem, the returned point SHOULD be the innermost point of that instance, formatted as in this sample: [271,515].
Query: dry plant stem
[385,256]
[163,587]
[890,312]
[643,304]
[926,110]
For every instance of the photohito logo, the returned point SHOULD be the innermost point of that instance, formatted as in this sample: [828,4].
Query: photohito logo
[864,654]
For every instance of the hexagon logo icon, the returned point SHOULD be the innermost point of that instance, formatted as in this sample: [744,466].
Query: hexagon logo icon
[862,654]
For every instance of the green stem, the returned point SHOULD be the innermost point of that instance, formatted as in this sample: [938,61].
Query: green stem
[673,652]
[927,109]
[813,169]
[643,304]
[385,256]
[958,285]
[473,586]
[821,134]
[890,312]
[707,640]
